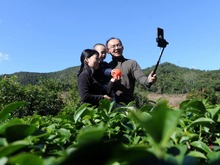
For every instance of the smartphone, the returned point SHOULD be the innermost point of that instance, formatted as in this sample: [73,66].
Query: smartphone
[161,42]
[160,34]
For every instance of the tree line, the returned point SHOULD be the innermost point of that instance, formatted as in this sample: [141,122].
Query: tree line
[50,92]
[171,78]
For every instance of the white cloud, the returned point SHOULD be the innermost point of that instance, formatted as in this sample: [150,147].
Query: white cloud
[4,57]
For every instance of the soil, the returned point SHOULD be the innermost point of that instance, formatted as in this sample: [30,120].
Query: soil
[174,100]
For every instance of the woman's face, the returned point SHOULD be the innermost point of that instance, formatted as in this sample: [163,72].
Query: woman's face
[93,61]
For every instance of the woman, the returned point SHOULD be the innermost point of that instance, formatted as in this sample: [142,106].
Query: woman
[90,90]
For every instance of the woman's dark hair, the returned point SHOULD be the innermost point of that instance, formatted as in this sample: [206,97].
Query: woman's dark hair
[86,54]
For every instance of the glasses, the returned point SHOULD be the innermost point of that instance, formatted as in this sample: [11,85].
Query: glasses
[115,46]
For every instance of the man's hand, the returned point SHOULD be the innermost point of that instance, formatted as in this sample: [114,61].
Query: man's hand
[152,78]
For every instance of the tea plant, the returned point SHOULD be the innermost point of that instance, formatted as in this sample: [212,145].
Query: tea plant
[152,134]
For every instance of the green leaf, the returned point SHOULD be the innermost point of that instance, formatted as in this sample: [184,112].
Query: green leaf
[10,149]
[106,104]
[65,134]
[193,104]
[146,108]
[218,120]
[197,154]
[213,157]
[214,111]
[18,132]
[201,145]
[183,105]
[90,135]
[201,120]
[139,116]
[162,123]
[4,113]
[177,154]
[26,158]
[136,155]
[80,111]
[11,122]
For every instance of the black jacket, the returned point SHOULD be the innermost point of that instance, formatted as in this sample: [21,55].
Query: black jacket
[90,90]
[103,74]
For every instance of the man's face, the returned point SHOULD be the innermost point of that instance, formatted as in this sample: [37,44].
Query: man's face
[115,48]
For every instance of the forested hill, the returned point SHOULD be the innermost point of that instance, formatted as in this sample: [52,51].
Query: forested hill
[33,77]
[175,79]
[171,78]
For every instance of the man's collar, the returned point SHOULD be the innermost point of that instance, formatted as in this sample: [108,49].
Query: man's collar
[118,58]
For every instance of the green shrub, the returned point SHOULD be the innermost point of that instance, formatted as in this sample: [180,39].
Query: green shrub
[10,91]
[209,94]
[44,98]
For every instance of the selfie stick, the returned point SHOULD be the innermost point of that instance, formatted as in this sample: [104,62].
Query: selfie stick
[162,43]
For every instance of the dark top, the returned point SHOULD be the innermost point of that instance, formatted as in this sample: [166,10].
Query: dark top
[90,90]
[103,74]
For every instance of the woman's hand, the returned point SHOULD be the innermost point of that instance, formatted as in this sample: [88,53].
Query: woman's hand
[115,79]
[107,97]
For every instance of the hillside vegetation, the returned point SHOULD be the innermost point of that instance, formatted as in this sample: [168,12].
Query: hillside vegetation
[172,79]
[42,121]
[174,83]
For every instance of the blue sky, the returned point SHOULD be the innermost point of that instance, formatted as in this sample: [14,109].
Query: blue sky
[49,35]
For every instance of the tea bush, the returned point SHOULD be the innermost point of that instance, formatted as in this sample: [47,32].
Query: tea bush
[106,135]
[44,98]
[209,94]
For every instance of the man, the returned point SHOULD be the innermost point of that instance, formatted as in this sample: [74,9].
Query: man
[131,72]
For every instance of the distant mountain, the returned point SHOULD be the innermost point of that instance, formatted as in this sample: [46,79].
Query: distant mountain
[170,78]
[174,79]
[33,77]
